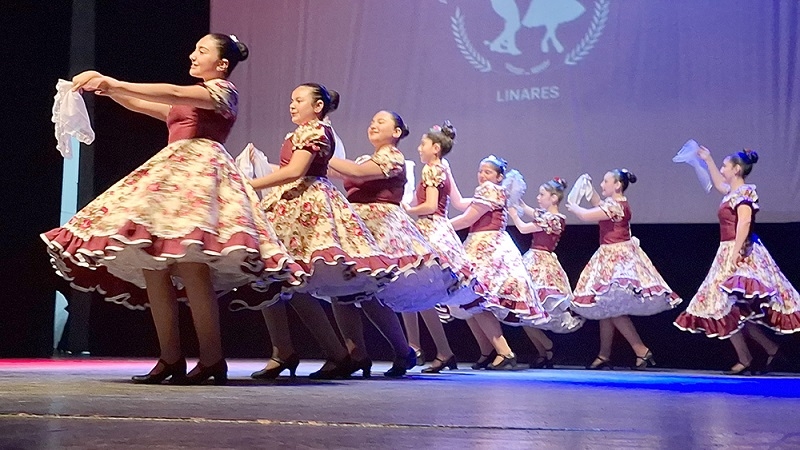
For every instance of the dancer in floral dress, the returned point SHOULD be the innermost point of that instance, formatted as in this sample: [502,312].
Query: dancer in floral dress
[184,216]
[509,294]
[548,277]
[321,231]
[432,199]
[744,286]
[375,185]
[619,279]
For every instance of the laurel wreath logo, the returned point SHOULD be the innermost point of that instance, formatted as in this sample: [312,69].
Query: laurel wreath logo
[581,50]
[465,46]
[601,8]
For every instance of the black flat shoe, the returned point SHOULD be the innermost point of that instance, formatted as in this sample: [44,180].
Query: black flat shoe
[643,361]
[218,371]
[600,363]
[176,372]
[509,362]
[436,368]
[484,361]
[290,363]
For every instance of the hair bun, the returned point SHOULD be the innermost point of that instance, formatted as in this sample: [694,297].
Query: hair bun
[243,51]
[334,100]
[749,156]
[630,175]
[561,182]
[449,130]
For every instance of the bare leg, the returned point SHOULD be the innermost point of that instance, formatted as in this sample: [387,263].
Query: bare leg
[603,359]
[411,323]
[606,338]
[540,340]
[205,310]
[387,322]
[754,332]
[164,308]
[315,319]
[278,328]
[492,329]
[742,352]
[625,326]
[431,318]
[348,319]
[483,341]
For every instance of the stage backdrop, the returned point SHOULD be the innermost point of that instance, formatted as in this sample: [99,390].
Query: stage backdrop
[557,87]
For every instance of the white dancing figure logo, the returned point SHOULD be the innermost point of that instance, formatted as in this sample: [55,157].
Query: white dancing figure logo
[515,30]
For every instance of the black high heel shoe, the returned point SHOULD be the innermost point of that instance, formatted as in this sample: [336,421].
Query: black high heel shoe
[543,362]
[176,372]
[436,368]
[343,369]
[773,361]
[420,355]
[484,361]
[600,363]
[365,366]
[548,362]
[290,363]
[509,362]
[643,361]
[400,367]
[740,371]
[201,373]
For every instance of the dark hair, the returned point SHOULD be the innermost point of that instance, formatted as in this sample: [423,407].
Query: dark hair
[398,123]
[556,187]
[329,98]
[744,159]
[500,164]
[443,135]
[231,49]
[624,176]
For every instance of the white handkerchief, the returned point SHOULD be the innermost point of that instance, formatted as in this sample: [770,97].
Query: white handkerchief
[688,155]
[515,186]
[581,189]
[408,188]
[257,168]
[71,118]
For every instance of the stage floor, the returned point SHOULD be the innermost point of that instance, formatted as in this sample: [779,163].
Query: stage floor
[88,403]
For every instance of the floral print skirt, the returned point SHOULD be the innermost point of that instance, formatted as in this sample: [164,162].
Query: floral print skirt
[323,233]
[740,289]
[443,238]
[188,203]
[510,294]
[552,288]
[620,280]
[423,280]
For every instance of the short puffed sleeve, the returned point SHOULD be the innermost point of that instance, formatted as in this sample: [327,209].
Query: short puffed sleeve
[390,160]
[225,97]
[613,209]
[433,176]
[490,194]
